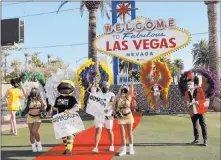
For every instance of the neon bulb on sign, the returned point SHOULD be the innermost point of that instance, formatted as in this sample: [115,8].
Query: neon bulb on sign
[138,26]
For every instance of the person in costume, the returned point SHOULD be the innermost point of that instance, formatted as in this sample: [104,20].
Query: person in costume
[67,103]
[156,89]
[12,97]
[195,99]
[125,116]
[108,122]
[36,111]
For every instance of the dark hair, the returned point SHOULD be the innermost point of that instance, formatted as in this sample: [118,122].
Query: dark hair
[13,82]
[196,80]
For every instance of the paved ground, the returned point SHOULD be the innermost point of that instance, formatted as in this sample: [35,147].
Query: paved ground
[21,123]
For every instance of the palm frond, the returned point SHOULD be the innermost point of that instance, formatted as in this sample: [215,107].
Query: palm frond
[82,8]
[107,14]
[102,8]
[61,5]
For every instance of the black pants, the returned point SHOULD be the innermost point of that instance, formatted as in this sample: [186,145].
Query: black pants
[202,123]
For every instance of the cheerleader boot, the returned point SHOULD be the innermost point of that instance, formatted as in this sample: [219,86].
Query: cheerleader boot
[39,146]
[34,148]
[131,149]
[123,151]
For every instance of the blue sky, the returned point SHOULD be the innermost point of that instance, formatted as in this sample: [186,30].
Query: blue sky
[70,28]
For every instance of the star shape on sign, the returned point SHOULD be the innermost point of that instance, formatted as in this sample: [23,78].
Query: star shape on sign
[123,9]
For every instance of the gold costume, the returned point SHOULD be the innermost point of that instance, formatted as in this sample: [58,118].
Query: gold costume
[34,118]
[124,108]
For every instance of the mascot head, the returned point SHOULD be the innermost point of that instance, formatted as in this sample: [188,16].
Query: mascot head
[66,87]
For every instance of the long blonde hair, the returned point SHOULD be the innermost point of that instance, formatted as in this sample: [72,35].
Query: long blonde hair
[119,92]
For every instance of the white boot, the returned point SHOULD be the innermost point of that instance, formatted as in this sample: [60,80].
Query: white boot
[95,150]
[111,148]
[123,151]
[39,147]
[34,148]
[131,149]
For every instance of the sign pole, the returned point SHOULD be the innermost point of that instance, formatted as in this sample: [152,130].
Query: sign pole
[114,20]
[133,16]
[115,59]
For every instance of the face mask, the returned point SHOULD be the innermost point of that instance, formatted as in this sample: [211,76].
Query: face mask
[33,93]
[190,85]
[124,90]
[105,89]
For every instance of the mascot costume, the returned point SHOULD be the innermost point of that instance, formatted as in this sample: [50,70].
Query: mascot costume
[67,103]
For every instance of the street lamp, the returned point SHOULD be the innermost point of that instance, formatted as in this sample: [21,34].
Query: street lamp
[79,60]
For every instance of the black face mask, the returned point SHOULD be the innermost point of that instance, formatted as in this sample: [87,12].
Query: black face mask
[124,90]
[104,89]
[33,94]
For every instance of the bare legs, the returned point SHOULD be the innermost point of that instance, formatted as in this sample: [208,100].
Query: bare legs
[130,133]
[123,139]
[13,122]
[34,135]
[97,136]
[33,129]
[122,134]
[111,136]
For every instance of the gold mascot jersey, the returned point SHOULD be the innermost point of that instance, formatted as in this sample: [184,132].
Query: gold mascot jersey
[13,99]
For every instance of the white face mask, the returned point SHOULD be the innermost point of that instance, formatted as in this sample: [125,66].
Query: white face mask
[190,85]
[93,89]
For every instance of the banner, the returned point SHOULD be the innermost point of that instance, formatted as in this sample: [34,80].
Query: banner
[67,124]
[125,79]
[95,106]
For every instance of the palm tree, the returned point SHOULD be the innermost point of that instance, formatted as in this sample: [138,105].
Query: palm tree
[26,60]
[125,66]
[5,54]
[16,65]
[214,55]
[92,7]
[178,63]
[167,61]
[36,61]
[49,57]
[200,54]
[174,70]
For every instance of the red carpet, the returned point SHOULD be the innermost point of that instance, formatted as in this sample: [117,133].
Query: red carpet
[84,143]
